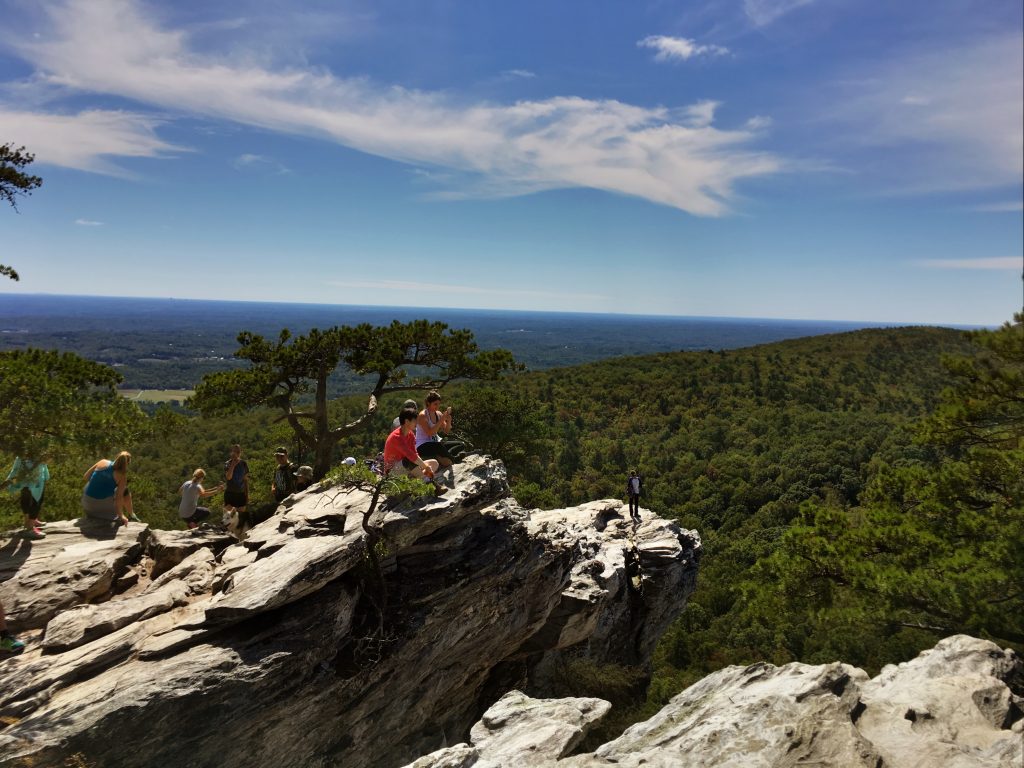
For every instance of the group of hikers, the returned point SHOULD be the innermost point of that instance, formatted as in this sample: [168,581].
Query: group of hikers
[414,448]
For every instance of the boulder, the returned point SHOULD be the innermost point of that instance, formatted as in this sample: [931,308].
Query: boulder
[168,548]
[83,623]
[952,706]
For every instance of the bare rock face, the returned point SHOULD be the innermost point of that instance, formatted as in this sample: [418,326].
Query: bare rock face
[299,647]
[76,563]
[950,707]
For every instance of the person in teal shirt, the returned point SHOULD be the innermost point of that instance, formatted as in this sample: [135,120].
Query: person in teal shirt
[29,477]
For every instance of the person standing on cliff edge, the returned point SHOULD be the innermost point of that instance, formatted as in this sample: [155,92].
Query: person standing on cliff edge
[634,485]
[236,486]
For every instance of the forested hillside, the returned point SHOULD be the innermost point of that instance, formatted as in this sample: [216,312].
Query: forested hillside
[763,450]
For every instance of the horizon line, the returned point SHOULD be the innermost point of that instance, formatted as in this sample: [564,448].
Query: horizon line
[886,323]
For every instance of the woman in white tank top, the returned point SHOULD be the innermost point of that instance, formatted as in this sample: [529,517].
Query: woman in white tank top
[428,426]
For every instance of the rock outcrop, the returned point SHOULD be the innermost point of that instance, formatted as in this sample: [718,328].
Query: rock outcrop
[295,649]
[951,707]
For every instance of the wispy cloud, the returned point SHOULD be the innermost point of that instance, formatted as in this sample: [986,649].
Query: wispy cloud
[1009,263]
[955,114]
[88,223]
[412,286]
[518,74]
[1010,206]
[679,48]
[85,140]
[763,12]
[259,163]
[656,153]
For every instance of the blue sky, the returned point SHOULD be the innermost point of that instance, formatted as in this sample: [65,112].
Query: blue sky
[826,159]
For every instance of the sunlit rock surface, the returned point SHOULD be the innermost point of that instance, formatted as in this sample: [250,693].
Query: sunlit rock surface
[951,707]
[177,649]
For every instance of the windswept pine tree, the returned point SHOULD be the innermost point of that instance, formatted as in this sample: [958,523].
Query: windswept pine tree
[415,356]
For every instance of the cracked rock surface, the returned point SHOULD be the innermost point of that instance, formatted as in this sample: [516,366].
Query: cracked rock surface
[951,707]
[290,649]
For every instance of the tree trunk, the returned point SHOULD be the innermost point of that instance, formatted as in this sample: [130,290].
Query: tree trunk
[325,441]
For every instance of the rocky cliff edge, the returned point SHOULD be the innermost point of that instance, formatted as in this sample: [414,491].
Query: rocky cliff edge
[297,648]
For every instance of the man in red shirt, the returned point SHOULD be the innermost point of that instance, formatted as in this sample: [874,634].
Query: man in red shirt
[400,457]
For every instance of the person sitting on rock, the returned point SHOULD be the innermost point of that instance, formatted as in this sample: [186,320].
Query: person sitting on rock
[400,457]
[106,496]
[303,478]
[191,491]
[430,423]
[283,484]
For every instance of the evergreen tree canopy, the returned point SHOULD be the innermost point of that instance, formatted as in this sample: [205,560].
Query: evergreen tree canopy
[14,181]
[50,400]
[419,355]
[936,545]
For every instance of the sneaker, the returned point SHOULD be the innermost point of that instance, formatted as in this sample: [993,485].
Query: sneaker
[33,534]
[134,518]
[11,645]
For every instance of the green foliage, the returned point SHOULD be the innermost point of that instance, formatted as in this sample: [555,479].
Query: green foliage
[836,523]
[934,546]
[503,422]
[51,400]
[13,179]
[736,444]
[417,355]
[13,182]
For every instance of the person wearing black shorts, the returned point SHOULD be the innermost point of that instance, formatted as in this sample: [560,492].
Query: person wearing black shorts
[236,485]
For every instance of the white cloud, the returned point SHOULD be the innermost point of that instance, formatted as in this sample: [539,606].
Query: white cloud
[758,123]
[764,12]
[88,223]
[259,163]
[1010,206]
[955,114]
[659,154]
[1013,263]
[679,48]
[518,74]
[85,140]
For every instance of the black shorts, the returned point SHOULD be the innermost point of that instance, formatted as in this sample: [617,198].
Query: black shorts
[408,464]
[236,499]
[29,506]
[200,514]
[433,450]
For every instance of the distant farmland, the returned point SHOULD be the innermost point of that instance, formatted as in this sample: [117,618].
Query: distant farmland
[157,395]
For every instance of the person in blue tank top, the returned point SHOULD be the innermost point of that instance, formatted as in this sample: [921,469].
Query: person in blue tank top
[106,496]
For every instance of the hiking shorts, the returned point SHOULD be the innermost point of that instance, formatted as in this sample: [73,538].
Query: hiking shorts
[99,509]
[29,506]
[236,499]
